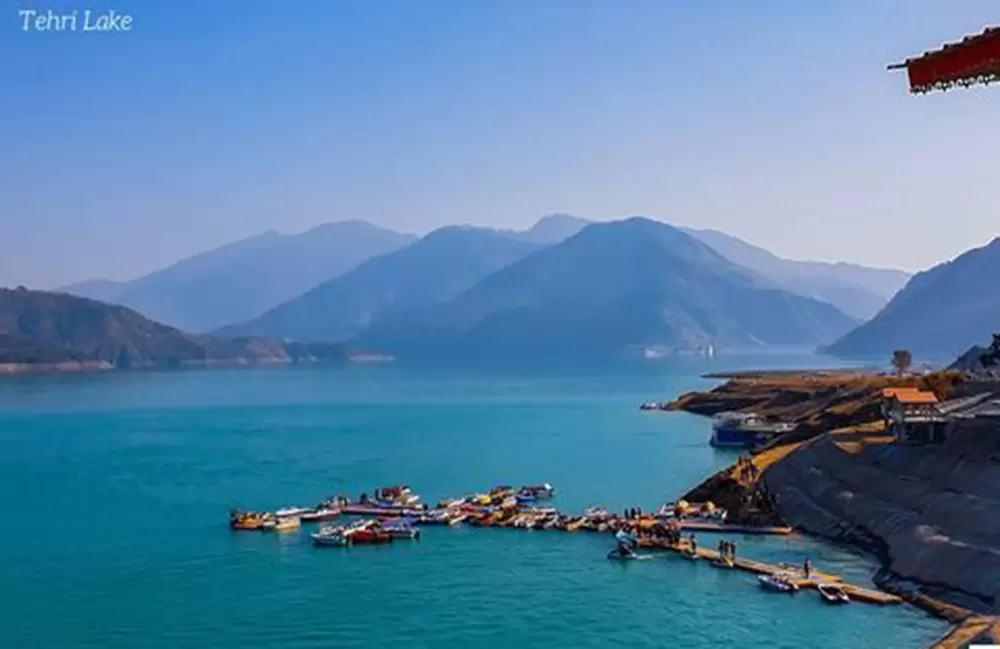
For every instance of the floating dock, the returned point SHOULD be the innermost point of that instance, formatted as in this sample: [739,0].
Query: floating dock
[814,580]
[726,528]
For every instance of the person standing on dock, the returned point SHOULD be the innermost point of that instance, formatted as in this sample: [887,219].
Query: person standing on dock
[807,568]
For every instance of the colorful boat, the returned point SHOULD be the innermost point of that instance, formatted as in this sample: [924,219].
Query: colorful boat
[246,521]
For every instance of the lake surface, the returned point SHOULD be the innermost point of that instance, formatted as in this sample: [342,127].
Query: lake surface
[118,485]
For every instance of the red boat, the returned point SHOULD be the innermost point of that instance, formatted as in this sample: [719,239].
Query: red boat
[370,536]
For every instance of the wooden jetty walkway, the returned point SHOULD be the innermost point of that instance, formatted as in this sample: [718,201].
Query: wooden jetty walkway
[815,578]
[974,628]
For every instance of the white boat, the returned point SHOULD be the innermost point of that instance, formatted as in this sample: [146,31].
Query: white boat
[778,583]
[833,594]
[287,512]
[403,528]
[336,538]
[321,514]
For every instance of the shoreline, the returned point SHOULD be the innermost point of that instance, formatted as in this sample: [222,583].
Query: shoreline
[81,367]
[833,408]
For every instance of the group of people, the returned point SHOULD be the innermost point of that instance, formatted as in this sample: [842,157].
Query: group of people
[633,512]
[745,468]
[727,550]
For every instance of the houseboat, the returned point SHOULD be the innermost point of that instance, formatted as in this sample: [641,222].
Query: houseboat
[744,430]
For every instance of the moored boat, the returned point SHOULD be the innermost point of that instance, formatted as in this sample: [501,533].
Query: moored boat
[833,594]
[778,583]
[320,514]
[286,512]
[744,430]
[246,521]
[331,538]
[287,524]
[402,528]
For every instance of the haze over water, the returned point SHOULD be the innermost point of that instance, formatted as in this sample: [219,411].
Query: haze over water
[118,487]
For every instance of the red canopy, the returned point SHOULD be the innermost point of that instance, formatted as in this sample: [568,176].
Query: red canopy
[976,59]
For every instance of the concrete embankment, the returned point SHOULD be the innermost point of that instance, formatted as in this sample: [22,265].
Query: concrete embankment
[932,514]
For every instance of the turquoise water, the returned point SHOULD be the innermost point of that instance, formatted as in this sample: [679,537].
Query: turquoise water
[117,488]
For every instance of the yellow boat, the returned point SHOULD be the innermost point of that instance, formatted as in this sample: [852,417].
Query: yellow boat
[289,524]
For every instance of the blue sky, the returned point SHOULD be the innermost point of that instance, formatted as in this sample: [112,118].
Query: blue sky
[212,121]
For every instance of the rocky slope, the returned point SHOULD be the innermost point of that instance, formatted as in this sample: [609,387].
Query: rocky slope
[932,514]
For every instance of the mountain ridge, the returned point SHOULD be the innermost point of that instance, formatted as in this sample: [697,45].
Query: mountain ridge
[858,290]
[940,313]
[435,268]
[613,285]
[241,279]
[44,329]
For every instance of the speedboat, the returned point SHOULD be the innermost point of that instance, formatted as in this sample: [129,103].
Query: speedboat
[833,594]
[402,529]
[778,583]
[287,512]
[287,524]
[370,536]
[245,521]
[331,538]
[531,493]
[320,514]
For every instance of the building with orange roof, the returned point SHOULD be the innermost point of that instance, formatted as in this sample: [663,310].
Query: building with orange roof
[913,416]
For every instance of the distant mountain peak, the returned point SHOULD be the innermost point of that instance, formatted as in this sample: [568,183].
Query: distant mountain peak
[553,228]
[242,279]
[613,286]
[857,290]
[939,312]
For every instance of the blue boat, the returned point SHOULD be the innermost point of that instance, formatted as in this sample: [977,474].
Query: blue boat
[744,430]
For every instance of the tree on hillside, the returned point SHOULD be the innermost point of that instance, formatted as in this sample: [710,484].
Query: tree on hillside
[902,359]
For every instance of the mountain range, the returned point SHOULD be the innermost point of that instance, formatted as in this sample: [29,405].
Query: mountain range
[241,280]
[940,313]
[352,280]
[613,286]
[40,328]
[435,269]
[859,291]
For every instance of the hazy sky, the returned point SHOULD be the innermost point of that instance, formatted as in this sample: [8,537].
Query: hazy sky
[212,121]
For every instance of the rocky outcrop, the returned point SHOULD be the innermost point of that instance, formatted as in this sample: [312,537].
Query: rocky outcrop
[932,514]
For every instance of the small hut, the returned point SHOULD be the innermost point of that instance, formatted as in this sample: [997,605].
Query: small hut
[913,416]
